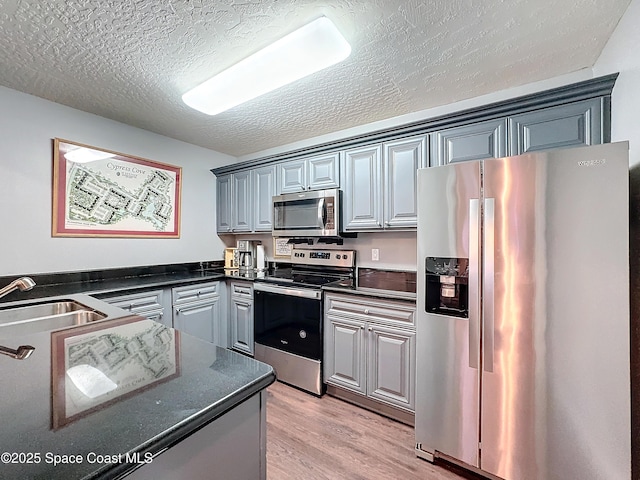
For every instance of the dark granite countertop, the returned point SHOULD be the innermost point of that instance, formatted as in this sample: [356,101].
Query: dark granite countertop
[176,383]
[391,284]
[100,283]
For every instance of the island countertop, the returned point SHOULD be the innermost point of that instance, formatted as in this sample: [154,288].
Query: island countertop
[158,386]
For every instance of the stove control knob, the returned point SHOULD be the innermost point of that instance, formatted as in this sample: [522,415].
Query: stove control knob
[344,256]
[338,257]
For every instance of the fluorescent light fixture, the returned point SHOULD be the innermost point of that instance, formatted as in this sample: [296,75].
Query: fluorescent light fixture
[86,155]
[309,49]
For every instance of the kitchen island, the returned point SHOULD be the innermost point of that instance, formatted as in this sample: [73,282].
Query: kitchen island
[143,400]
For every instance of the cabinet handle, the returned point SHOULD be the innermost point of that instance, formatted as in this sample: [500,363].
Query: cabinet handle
[361,327]
[370,329]
[366,311]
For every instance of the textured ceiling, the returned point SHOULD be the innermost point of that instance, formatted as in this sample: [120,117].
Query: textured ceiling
[131,60]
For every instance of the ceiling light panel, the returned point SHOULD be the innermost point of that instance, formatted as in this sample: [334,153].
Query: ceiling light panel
[307,50]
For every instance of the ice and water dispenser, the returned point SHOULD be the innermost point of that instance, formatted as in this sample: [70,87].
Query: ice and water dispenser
[447,286]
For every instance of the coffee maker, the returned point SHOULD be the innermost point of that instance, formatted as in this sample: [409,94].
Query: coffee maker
[246,255]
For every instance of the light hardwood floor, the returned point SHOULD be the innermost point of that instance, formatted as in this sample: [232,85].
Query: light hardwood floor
[310,438]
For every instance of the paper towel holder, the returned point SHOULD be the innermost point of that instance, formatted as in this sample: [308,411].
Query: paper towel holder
[261,259]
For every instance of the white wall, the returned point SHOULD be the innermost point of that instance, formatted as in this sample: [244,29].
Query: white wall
[27,126]
[621,55]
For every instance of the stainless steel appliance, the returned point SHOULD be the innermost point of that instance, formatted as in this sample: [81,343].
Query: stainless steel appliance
[288,314]
[523,315]
[246,255]
[307,214]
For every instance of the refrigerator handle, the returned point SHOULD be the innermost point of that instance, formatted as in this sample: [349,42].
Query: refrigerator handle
[488,284]
[474,283]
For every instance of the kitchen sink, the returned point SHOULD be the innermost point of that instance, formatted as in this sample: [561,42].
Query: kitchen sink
[48,315]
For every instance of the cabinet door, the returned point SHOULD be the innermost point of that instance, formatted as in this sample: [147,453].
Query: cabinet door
[323,172]
[241,202]
[570,125]
[223,204]
[345,354]
[401,162]
[264,188]
[392,356]
[292,176]
[242,325]
[469,142]
[200,319]
[362,206]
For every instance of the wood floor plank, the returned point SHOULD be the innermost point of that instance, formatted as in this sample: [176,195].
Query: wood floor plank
[310,438]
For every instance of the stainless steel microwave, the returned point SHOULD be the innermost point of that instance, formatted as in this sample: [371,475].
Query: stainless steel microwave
[307,214]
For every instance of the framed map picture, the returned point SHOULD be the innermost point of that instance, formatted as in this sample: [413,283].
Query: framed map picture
[103,193]
[96,365]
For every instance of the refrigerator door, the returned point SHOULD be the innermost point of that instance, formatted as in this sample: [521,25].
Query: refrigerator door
[555,357]
[447,353]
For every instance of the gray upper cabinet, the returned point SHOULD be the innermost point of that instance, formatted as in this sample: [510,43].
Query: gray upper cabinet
[323,172]
[469,142]
[401,161]
[380,184]
[223,204]
[264,188]
[362,205]
[312,173]
[241,205]
[569,125]
[292,176]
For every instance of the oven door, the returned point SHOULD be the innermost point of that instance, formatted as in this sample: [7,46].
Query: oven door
[288,319]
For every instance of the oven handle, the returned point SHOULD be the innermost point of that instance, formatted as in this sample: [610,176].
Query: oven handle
[293,292]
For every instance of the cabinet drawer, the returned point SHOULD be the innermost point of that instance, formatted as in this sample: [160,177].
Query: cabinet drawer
[192,293]
[138,302]
[366,309]
[243,290]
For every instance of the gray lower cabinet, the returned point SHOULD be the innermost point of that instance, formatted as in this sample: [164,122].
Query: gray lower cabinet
[469,142]
[214,450]
[264,188]
[154,305]
[568,125]
[241,317]
[198,310]
[369,348]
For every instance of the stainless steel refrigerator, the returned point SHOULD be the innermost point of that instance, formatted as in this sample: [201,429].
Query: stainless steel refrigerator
[523,315]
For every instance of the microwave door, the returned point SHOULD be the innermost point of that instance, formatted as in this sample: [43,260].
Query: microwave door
[298,217]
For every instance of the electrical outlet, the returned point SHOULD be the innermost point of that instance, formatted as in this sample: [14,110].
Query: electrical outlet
[375,254]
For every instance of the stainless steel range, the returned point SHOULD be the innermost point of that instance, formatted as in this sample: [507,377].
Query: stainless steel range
[288,314]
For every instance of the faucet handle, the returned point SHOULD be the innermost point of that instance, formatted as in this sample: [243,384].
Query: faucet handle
[20,353]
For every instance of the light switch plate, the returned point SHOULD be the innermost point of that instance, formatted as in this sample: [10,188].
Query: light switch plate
[375,254]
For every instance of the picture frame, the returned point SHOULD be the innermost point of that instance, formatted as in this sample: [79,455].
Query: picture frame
[102,193]
[99,364]
[281,247]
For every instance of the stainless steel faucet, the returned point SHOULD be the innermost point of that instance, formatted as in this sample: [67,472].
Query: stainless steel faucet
[20,353]
[22,284]
[23,351]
